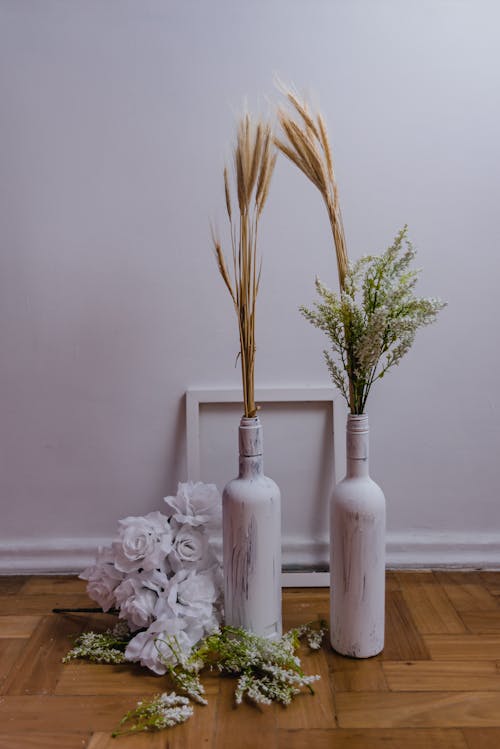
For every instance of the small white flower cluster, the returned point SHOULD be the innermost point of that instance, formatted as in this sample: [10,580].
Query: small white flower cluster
[163,711]
[187,679]
[267,671]
[275,685]
[314,637]
[101,647]
[173,709]
[163,577]
[372,323]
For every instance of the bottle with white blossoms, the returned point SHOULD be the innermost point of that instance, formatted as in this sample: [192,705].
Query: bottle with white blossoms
[371,325]
[357,552]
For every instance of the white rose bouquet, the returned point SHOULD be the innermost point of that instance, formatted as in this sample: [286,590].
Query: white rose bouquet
[163,576]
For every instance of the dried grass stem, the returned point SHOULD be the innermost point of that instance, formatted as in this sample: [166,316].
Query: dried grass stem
[254,160]
[306,144]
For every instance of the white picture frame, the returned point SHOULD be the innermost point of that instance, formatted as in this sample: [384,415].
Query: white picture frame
[196,397]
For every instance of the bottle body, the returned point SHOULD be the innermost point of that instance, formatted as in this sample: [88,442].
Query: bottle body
[357,549]
[251,532]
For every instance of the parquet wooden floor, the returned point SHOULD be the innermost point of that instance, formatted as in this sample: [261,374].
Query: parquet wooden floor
[435,686]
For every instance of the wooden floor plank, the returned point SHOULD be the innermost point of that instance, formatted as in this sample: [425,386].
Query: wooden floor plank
[44,741]
[309,711]
[11,585]
[18,626]
[482,738]
[10,653]
[297,616]
[49,714]
[469,646]
[466,591]
[418,709]
[351,675]
[42,604]
[412,577]
[343,738]
[482,622]
[54,585]
[437,676]
[491,581]
[403,641]
[101,740]
[40,664]
[304,594]
[87,679]
[301,606]
[244,726]
[392,581]
[430,607]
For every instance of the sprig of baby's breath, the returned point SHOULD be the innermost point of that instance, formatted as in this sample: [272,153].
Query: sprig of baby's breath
[372,324]
[267,670]
[185,671]
[254,160]
[163,711]
[101,647]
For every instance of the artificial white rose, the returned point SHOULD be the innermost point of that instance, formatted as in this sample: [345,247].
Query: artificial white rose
[156,579]
[144,542]
[103,578]
[167,606]
[198,627]
[195,504]
[197,593]
[192,595]
[136,603]
[152,649]
[198,600]
[189,548]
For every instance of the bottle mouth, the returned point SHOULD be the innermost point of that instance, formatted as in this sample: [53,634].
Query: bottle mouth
[249,421]
[357,422]
[250,437]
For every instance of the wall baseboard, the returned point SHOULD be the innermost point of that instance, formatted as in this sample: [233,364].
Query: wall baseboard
[58,556]
[412,550]
[443,550]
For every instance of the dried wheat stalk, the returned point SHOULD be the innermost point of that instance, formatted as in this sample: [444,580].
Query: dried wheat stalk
[254,160]
[306,144]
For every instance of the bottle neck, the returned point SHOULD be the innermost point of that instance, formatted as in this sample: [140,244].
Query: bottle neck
[251,462]
[357,443]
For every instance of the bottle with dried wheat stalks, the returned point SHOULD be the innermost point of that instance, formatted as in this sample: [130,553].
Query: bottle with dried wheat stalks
[251,516]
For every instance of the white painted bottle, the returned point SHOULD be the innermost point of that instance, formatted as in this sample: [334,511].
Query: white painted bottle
[357,552]
[251,532]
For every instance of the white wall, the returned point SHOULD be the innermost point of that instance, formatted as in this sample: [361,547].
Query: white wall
[116,118]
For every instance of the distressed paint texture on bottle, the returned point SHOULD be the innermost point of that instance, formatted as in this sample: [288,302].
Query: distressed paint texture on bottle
[357,552]
[251,521]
